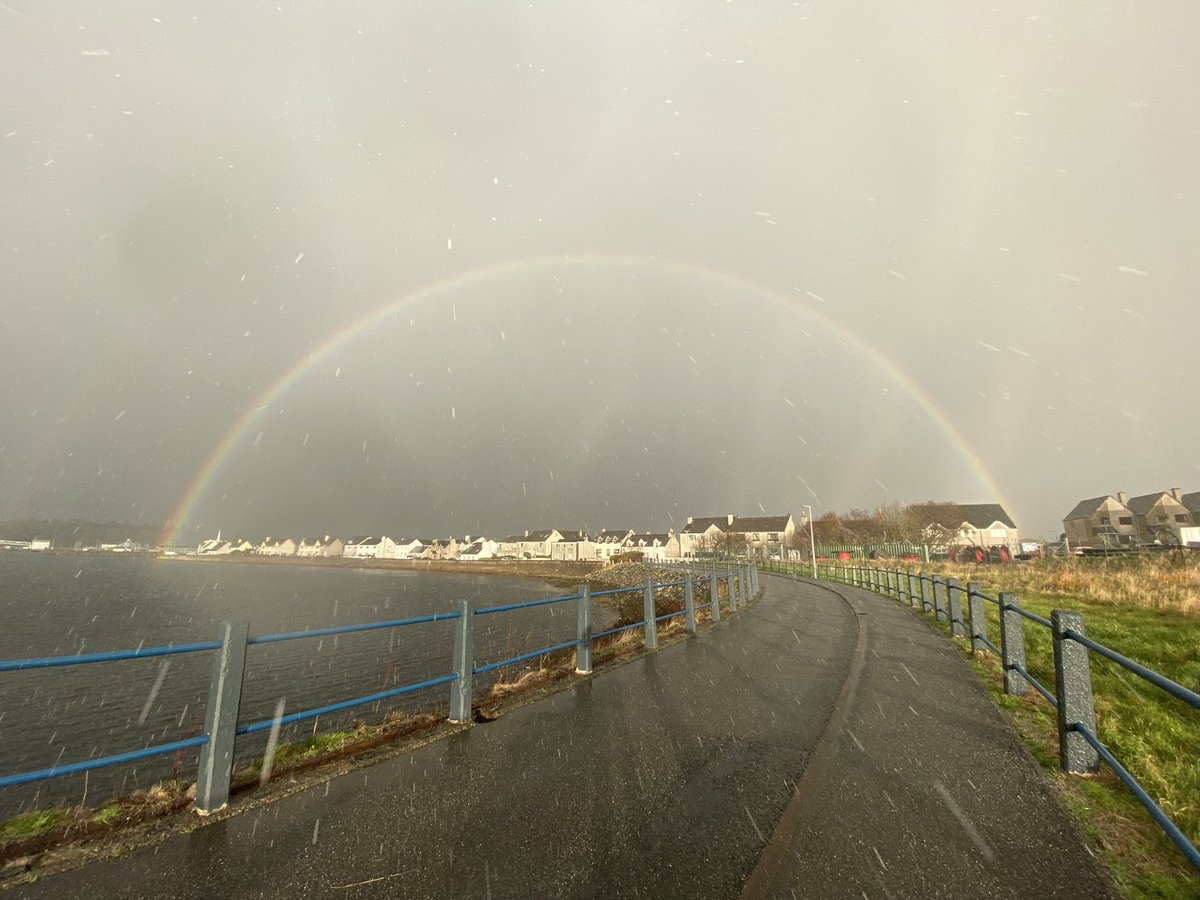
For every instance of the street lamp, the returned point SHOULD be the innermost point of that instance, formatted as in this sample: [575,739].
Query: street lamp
[812,541]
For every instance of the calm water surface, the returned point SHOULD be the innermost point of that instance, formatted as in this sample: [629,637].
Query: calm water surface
[54,605]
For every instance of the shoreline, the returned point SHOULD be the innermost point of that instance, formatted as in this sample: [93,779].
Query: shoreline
[549,569]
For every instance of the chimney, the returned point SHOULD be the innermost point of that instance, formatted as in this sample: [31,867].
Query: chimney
[689,521]
[729,519]
[1176,494]
[526,532]
[1122,498]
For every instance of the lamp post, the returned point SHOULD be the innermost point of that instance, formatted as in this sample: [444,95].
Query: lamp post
[812,541]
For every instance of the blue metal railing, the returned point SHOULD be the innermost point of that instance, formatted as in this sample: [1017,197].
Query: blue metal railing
[45,662]
[979,634]
[266,724]
[101,762]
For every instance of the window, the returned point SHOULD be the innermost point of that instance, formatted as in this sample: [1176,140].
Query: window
[773,536]
[1126,520]
[1104,520]
[1180,517]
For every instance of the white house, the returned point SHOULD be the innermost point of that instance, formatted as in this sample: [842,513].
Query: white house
[655,546]
[763,535]
[277,547]
[572,545]
[366,546]
[703,534]
[609,542]
[405,547]
[214,547]
[322,546]
[531,545]
[483,548]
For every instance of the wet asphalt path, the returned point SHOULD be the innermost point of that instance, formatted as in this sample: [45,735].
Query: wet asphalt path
[818,744]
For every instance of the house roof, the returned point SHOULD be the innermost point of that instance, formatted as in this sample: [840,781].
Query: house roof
[537,536]
[650,538]
[613,536]
[514,539]
[476,547]
[978,515]
[1192,501]
[1084,508]
[358,539]
[744,524]
[701,524]
[572,536]
[1139,506]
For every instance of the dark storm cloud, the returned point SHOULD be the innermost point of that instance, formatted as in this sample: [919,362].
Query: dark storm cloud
[1002,202]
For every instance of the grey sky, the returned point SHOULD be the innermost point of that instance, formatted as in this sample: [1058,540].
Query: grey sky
[1003,203]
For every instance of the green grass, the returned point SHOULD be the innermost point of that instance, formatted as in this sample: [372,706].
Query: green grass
[1155,736]
[30,824]
[108,815]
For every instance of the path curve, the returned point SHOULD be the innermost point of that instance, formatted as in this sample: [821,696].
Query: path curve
[825,742]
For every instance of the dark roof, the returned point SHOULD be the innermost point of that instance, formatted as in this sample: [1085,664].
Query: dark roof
[476,547]
[514,539]
[1084,508]
[371,541]
[573,535]
[701,524]
[359,538]
[613,536]
[536,536]
[1192,501]
[978,515]
[1139,506]
[743,524]
[650,538]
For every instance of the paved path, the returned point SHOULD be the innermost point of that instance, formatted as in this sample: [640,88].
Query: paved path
[824,743]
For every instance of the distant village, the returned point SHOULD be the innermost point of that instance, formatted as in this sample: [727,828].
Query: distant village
[979,531]
[758,535]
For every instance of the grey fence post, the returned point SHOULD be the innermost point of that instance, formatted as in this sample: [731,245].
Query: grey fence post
[1073,681]
[651,629]
[939,597]
[464,664]
[1012,644]
[958,627]
[926,599]
[735,590]
[583,652]
[978,620]
[714,597]
[689,603]
[716,610]
[220,718]
[913,596]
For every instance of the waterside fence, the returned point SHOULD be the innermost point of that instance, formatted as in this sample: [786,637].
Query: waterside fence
[738,584]
[964,608]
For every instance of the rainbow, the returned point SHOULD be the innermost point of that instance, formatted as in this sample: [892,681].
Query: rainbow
[445,287]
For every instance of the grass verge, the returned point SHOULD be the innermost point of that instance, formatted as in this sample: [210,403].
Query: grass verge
[1155,736]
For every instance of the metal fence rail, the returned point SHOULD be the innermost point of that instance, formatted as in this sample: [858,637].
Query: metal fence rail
[221,728]
[1080,749]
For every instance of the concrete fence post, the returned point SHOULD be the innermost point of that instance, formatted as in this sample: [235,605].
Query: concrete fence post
[651,629]
[220,718]
[913,597]
[714,597]
[735,592]
[1012,644]
[891,582]
[1073,681]
[958,627]
[463,664]
[583,652]
[689,604]
[939,598]
[716,608]
[978,618]
[926,593]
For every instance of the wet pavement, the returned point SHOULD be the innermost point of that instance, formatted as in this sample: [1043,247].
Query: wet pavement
[822,743]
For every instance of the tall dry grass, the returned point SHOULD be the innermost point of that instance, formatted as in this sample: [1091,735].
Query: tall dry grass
[1167,581]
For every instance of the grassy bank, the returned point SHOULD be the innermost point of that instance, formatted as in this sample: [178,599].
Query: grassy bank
[1148,610]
